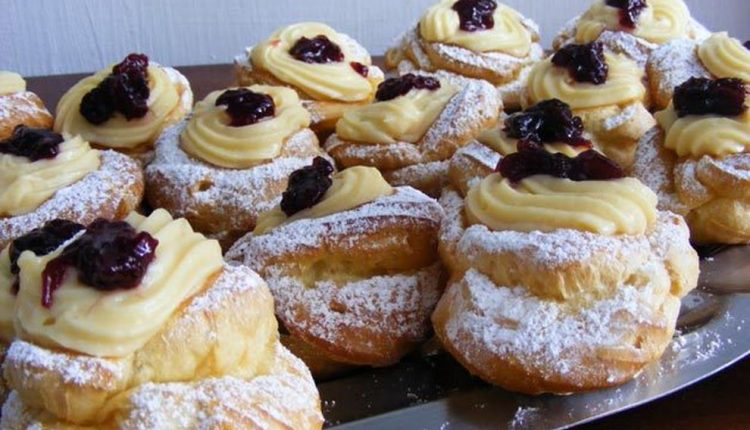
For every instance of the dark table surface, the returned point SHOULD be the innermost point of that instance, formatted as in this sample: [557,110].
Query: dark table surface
[721,402]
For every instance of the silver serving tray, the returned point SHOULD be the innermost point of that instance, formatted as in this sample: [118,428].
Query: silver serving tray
[434,392]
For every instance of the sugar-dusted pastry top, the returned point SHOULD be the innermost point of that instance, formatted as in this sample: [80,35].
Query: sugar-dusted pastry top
[27,184]
[660,22]
[210,135]
[11,82]
[330,80]
[116,323]
[725,57]
[507,34]
[698,135]
[350,188]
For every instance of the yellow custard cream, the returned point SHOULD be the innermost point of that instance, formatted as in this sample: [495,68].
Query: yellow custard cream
[545,203]
[624,85]
[501,143]
[117,323]
[725,57]
[7,298]
[351,188]
[25,185]
[660,22]
[698,135]
[442,24]
[335,81]
[209,137]
[118,132]
[403,119]
[11,83]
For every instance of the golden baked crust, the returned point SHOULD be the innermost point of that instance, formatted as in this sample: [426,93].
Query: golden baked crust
[222,203]
[112,191]
[24,108]
[358,285]
[472,162]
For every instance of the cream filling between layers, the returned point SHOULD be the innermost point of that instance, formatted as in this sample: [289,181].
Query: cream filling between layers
[497,140]
[330,81]
[545,203]
[209,137]
[624,85]
[442,24]
[660,22]
[118,132]
[25,185]
[698,135]
[7,298]
[725,57]
[351,188]
[11,82]
[117,323]
[403,119]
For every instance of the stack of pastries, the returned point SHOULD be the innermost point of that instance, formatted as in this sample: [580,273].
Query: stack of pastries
[533,211]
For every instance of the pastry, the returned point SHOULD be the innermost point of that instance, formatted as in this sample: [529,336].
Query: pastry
[633,28]
[330,70]
[560,285]
[413,128]
[125,107]
[352,263]
[698,160]
[18,106]
[606,90]
[478,39]
[719,56]
[230,160]
[140,324]
[45,175]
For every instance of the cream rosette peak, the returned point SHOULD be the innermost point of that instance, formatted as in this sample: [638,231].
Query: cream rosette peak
[11,82]
[698,135]
[725,57]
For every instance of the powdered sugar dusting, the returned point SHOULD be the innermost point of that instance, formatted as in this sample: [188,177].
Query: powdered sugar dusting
[480,153]
[672,64]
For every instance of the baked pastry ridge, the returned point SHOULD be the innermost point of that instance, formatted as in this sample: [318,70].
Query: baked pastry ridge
[19,106]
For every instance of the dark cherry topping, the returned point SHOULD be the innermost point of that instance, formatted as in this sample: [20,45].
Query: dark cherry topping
[320,50]
[110,255]
[585,63]
[532,159]
[700,96]
[360,68]
[630,10]
[33,143]
[125,90]
[546,122]
[747,44]
[307,186]
[475,15]
[246,107]
[395,87]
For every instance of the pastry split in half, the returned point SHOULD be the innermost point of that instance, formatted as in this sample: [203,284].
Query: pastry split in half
[125,107]
[697,159]
[564,277]
[230,159]
[352,264]
[330,71]
[415,125]
[46,175]
[20,107]
[475,39]
[139,324]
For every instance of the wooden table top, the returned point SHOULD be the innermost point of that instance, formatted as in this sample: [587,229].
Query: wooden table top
[720,402]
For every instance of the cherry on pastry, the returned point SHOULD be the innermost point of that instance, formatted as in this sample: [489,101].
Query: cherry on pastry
[318,50]
[630,10]
[701,96]
[586,63]
[475,15]
[546,122]
[307,186]
[360,68]
[400,86]
[246,107]
[125,90]
[32,143]
[747,44]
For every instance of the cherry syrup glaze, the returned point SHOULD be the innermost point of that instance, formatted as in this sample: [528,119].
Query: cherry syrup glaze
[396,87]
[307,186]
[125,90]
[700,96]
[630,10]
[586,63]
[318,50]
[475,15]
[110,255]
[532,159]
[33,143]
[360,68]
[546,122]
[246,107]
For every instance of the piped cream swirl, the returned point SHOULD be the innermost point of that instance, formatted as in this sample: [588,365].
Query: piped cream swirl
[725,57]
[11,82]
[698,135]
[496,139]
